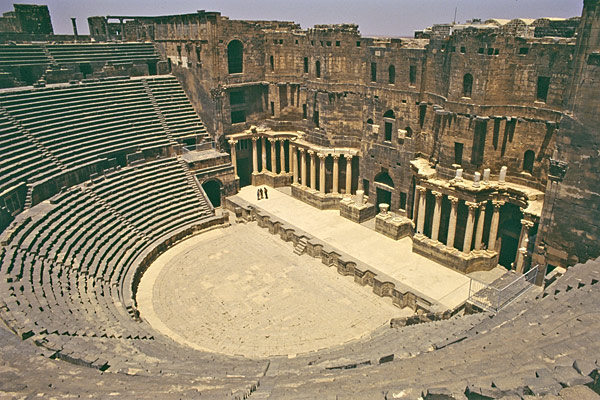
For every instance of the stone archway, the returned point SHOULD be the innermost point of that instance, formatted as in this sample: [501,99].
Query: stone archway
[212,188]
[384,187]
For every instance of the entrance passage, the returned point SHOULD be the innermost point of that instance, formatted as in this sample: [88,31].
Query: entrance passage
[244,171]
[383,196]
[385,187]
[213,191]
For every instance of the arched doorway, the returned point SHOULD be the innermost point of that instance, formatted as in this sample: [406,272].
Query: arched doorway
[384,186]
[212,189]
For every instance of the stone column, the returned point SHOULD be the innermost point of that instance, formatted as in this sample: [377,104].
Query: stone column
[421,211]
[282,156]
[469,227]
[273,156]
[523,242]
[254,156]
[294,163]
[322,172]
[480,224]
[336,172]
[232,144]
[452,221]
[313,172]
[435,228]
[264,155]
[494,225]
[303,165]
[416,204]
[348,174]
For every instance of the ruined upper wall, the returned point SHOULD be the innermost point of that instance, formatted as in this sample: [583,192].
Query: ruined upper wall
[27,18]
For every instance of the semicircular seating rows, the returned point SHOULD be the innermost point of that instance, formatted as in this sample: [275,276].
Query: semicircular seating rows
[67,265]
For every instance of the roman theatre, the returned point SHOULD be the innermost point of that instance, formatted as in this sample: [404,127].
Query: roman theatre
[193,206]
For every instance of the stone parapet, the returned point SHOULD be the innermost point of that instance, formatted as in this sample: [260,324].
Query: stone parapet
[476,260]
[322,201]
[394,226]
[271,179]
[357,213]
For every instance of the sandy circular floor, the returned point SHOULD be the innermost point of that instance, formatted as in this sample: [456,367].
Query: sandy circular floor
[241,290]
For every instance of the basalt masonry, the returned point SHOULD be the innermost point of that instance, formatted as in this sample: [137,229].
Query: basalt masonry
[484,133]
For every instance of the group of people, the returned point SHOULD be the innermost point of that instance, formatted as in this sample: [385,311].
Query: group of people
[262,194]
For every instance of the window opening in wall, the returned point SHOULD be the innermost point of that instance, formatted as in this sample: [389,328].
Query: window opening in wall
[490,51]
[84,68]
[496,52]
[235,59]
[467,85]
[318,69]
[312,42]
[280,41]
[453,49]
[322,43]
[358,43]
[365,187]
[392,74]
[337,43]
[304,111]
[198,58]
[523,50]
[296,41]
[306,65]
[388,119]
[316,118]
[463,49]
[272,63]
[412,75]
[481,50]
[370,121]
[272,109]
[328,43]
[238,116]
[408,131]
[458,152]
[528,161]
[542,88]
[236,98]
[373,72]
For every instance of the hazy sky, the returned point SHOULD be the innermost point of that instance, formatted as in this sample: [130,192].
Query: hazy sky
[374,17]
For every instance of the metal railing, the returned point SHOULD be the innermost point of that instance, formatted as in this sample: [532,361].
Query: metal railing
[494,299]
[200,147]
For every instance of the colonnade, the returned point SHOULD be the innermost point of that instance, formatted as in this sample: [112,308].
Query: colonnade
[300,177]
[475,209]
[283,166]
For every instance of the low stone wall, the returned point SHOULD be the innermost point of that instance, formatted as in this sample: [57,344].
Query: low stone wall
[271,179]
[356,213]
[394,226]
[476,260]
[138,267]
[315,198]
[383,285]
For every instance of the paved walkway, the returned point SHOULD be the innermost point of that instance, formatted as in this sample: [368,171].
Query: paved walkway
[392,257]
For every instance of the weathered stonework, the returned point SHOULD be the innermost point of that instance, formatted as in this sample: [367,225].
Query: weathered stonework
[394,226]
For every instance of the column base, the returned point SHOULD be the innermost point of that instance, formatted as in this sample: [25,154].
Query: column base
[270,179]
[393,225]
[476,260]
[359,214]
[322,201]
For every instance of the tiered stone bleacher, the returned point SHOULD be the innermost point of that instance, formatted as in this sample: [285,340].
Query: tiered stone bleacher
[21,55]
[116,53]
[181,120]
[22,160]
[64,259]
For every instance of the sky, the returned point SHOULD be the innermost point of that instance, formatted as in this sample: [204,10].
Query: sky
[374,17]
